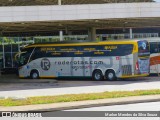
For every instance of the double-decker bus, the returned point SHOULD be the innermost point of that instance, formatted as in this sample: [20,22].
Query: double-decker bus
[98,60]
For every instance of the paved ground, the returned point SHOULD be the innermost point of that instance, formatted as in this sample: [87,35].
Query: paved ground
[20,88]
[27,89]
[149,106]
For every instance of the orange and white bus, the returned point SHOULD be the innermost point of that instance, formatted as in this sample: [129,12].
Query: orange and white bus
[154,57]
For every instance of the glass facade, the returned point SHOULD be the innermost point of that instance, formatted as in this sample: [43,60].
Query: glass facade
[9,46]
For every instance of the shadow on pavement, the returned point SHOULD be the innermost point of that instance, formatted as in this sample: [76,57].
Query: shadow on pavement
[12,82]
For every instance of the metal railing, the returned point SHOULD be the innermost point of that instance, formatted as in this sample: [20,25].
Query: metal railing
[99,37]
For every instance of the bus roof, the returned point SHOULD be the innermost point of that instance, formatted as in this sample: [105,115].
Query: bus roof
[83,43]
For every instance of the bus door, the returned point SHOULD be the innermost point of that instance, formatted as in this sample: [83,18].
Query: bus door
[77,69]
[142,65]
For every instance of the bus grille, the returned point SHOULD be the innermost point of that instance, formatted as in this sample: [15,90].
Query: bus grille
[126,70]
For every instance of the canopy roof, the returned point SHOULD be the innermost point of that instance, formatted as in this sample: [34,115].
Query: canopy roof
[64,2]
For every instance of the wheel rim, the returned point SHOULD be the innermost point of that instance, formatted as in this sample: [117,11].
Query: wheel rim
[97,76]
[110,76]
[35,75]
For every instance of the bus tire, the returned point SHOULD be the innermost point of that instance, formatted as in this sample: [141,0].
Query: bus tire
[110,75]
[97,75]
[34,74]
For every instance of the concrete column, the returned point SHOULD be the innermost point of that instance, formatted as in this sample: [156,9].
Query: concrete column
[130,33]
[92,34]
[60,32]
[59,2]
[61,35]
[89,34]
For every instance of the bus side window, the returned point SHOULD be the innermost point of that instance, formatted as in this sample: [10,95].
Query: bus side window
[154,47]
[158,46]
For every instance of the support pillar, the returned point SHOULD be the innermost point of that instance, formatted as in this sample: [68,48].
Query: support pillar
[130,33]
[92,34]
[60,32]
[59,2]
[61,35]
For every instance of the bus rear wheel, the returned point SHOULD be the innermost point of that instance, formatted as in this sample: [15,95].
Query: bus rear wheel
[110,75]
[97,75]
[34,74]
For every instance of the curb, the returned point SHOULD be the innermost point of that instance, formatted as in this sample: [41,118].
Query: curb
[83,104]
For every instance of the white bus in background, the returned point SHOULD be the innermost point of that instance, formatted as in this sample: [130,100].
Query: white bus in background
[154,56]
[98,60]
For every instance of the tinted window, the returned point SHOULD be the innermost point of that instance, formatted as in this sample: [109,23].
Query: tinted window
[154,47]
[15,48]
[29,50]
[24,57]
[7,48]
[37,54]
[26,52]
[1,48]
[82,51]
[158,46]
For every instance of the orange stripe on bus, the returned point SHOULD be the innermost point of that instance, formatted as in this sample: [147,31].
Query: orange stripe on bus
[154,60]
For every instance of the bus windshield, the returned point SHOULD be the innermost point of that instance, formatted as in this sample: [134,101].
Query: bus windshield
[24,57]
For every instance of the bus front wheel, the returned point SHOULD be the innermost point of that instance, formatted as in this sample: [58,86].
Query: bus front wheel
[110,75]
[97,75]
[34,74]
